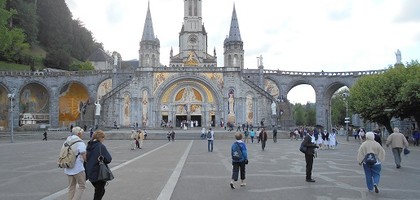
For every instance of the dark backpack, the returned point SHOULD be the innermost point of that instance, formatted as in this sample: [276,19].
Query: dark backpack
[208,134]
[237,152]
[370,159]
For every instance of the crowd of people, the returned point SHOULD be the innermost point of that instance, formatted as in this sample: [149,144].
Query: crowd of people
[370,155]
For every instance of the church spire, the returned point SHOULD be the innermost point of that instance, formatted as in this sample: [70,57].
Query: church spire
[233,44]
[148,33]
[149,53]
[234,33]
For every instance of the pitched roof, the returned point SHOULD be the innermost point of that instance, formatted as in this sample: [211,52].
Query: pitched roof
[99,55]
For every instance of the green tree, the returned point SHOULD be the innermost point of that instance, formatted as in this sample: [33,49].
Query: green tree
[310,114]
[81,66]
[338,108]
[83,43]
[26,18]
[12,40]
[367,97]
[408,97]
[395,93]
[299,114]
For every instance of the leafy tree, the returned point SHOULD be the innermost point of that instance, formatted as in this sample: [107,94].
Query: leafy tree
[338,108]
[408,97]
[367,97]
[299,114]
[84,66]
[12,40]
[395,93]
[59,59]
[83,43]
[26,18]
[310,114]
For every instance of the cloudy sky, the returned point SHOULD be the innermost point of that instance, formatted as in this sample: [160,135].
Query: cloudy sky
[298,35]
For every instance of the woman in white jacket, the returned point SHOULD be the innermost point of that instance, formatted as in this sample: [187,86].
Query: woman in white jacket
[372,172]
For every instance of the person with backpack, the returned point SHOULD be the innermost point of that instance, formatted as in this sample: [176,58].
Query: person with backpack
[371,155]
[96,150]
[76,174]
[239,154]
[210,140]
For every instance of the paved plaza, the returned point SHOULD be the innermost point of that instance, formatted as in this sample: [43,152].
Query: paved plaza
[184,170]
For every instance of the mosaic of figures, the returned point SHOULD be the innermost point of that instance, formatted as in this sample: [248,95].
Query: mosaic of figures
[72,97]
[271,87]
[4,108]
[188,100]
[249,109]
[104,87]
[126,109]
[161,77]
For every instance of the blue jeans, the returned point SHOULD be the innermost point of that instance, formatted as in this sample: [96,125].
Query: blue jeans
[372,174]
[397,155]
[210,145]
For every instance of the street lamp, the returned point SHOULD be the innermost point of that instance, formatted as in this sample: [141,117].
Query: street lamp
[346,119]
[11,98]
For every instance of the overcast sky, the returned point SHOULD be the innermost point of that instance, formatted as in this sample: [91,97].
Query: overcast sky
[298,35]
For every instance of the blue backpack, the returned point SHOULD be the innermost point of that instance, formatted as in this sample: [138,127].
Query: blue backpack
[237,152]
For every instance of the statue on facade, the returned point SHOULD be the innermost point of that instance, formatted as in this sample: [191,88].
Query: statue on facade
[97,108]
[273,108]
[231,102]
[115,59]
[398,55]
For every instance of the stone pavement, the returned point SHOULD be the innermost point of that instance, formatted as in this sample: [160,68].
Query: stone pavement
[184,170]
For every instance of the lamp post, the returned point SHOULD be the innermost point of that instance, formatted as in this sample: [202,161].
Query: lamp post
[11,98]
[346,119]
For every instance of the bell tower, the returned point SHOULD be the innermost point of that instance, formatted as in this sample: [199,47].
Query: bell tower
[193,39]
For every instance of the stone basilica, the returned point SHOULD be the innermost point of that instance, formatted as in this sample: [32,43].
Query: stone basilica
[190,88]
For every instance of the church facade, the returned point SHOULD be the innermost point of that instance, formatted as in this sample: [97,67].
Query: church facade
[192,87]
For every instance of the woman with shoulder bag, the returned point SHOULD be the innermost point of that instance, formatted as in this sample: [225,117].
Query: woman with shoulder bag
[97,152]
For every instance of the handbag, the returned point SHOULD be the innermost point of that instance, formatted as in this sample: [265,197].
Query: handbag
[303,148]
[406,151]
[105,173]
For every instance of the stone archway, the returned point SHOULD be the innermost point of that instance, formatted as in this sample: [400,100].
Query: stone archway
[326,102]
[72,97]
[34,105]
[188,100]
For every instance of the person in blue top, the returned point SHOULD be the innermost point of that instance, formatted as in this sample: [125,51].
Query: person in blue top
[252,135]
[239,155]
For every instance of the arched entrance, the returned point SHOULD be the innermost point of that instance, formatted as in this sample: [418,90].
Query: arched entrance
[190,103]
[73,97]
[34,105]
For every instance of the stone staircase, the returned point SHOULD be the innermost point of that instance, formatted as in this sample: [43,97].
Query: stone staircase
[258,88]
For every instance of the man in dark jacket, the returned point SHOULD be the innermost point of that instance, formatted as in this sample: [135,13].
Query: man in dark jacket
[263,138]
[310,144]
